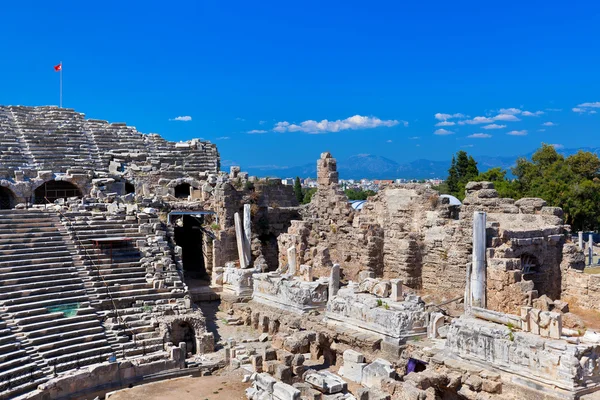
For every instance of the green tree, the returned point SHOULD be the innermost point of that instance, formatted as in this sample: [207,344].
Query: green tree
[462,170]
[358,194]
[298,191]
[308,194]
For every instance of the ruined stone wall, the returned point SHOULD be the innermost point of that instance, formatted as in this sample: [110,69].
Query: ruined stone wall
[581,290]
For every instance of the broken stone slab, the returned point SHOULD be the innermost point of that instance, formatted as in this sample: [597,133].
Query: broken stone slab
[265,382]
[353,356]
[325,381]
[283,391]
[374,373]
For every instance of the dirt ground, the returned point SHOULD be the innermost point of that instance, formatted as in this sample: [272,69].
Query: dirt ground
[227,386]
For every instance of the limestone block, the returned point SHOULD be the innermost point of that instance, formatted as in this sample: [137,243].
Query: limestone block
[325,381]
[307,392]
[265,382]
[283,391]
[257,363]
[382,289]
[353,356]
[353,371]
[396,290]
[283,373]
[376,371]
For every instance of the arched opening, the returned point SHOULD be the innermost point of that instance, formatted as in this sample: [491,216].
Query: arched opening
[182,191]
[7,199]
[129,188]
[189,235]
[54,190]
[182,331]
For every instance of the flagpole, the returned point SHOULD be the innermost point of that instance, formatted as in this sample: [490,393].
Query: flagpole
[60,104]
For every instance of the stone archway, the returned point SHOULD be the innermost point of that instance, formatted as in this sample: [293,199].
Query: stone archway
[52,190]
[188,328]
[7,198]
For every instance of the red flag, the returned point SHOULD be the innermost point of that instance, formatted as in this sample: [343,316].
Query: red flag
[58,67]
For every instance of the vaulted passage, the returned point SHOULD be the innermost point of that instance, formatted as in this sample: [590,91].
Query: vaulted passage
[182,331]
[54,190]
[7,199]
[189,236]
[129,188]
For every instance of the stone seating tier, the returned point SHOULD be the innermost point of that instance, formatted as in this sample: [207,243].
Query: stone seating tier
[57,139]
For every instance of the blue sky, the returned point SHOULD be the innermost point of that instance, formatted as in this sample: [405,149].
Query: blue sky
[279,68]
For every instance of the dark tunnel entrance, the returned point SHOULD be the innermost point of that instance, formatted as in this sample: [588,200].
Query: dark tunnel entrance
[53,190]
[189,236]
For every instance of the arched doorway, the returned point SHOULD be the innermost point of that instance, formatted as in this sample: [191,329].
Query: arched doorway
[182,331]
[182,191]
[54,190]
[129,188]
[189,235]
[7,199]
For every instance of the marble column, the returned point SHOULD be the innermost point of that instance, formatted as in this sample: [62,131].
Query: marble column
[239,234]
[291,254]
[591,248]
[247,234]
[581,240]
[478,274]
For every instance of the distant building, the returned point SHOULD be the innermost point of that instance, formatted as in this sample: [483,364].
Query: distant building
[288,181]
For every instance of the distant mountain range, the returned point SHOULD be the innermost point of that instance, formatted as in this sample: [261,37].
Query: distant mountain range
[371,166]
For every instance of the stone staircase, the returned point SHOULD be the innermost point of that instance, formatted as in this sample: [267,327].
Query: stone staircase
[115,280]
[47,324]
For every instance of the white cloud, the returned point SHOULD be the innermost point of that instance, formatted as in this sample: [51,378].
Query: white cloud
[477,120]
[480,136]
[558,146]
[262,122]
[595,104]
[184,118]
[254,131]
[443,132]
[443,117]
[532,114]
[517,133]
[405,123]
[549,123]
[506,117]
[553,109]
[415,138]
[240,119]
[325,126]
[586,107]
[511,111]
[468,145]
[388,141]
[223,138]
[494,126]
[445,123]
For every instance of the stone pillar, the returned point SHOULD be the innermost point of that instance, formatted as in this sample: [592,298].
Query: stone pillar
[239,234]
[334,280]
[247,234]
[478,274]
[591,248]
[580,240]
[291,254]
[396,290]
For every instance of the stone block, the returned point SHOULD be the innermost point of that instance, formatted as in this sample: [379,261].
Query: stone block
[353,356]
[270,366]
[283,373]
[307,392]
[285,357]
[325,381]
[269,354]
[257,362]
[353,371]
[298,360]
[265,382]
[376,371]
[283,391]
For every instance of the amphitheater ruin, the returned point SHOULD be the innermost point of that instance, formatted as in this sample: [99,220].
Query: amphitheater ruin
[113,243]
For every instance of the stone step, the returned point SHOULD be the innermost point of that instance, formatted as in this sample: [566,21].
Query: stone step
[11,389]
[64,335]
[48,290]
[63,328]
[70,343]
[38,284]
[25,229]
[25,261]
[79,297]
[48,275]
[71,354]
[46,270]
[25,246]
[38,267]
[7,256]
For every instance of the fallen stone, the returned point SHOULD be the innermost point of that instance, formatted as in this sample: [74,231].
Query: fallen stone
[283,391]
[263,337]
[373,373]
[325,381]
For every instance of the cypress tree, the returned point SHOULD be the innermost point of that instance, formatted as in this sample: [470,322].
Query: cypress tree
[298,190]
